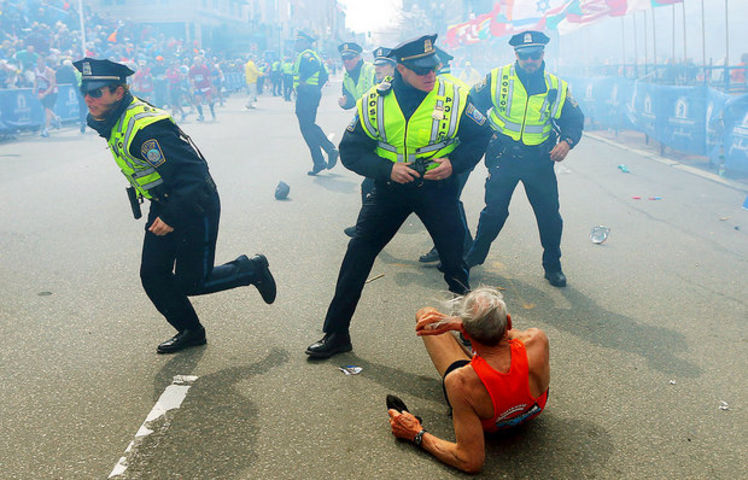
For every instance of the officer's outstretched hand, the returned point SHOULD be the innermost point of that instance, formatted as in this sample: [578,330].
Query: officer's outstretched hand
[560,151]
[160,228]
[441,172]
[402,173]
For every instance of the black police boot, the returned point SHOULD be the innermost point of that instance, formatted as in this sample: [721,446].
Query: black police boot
[431,256]
[189,337]
[350,231]
[556,278]
[331,344]
[316,169]
[261,277]
[332,158]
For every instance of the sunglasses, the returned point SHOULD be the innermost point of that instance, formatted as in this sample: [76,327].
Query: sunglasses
[533,55]
[421,71]
[93,93]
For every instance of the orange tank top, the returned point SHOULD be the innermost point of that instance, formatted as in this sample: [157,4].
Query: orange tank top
[510,392]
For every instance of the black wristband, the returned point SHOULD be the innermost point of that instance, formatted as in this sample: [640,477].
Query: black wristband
[419,437]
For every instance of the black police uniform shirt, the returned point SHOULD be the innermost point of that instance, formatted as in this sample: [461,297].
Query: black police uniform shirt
[357,150]
[350,99]
[571,121]
[184,173]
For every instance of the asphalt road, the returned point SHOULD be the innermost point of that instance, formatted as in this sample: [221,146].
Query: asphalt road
[646,341]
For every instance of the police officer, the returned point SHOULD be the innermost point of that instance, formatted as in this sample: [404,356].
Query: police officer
[527,105]
[384,67]
[287,76]
[358,77]
[163,165]
[309,75]
[412,173]
[445,72]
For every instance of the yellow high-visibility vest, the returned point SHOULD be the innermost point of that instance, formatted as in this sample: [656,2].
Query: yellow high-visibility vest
[141,174]
[522,117]
[431,132]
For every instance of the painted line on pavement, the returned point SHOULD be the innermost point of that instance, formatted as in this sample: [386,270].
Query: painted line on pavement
[672,163]
[171,399]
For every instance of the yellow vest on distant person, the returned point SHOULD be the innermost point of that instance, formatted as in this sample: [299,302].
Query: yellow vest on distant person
[366,80]
[312,79]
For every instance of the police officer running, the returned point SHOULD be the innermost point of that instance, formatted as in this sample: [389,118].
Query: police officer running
[163,165]
[358,77]
[309,75]
[412,137]
[527,105]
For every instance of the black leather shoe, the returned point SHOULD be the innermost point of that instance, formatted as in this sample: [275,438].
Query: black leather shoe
[331,344]
[350,231]
[263,279]
[317,168]
[184,339]
[332,158]
[557,278]
[431,256]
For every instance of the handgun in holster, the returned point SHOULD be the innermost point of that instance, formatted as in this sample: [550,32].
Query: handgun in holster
[135,201]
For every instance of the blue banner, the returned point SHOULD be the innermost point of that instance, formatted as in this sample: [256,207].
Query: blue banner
[696,119]
[19,108]
[68,103]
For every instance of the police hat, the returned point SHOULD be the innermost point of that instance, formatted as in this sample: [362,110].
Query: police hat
[97,73]
[382,56]
[300,35]
[418,52]
[529,39]
[444,56]
[349,49]
[281,191]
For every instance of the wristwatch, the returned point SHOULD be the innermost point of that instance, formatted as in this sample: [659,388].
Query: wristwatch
[419,437]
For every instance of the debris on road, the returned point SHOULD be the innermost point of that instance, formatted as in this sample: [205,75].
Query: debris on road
[672,382]
[723,405]
[655,198]
[636,197]
[375,277]
[599,234]
[350,369]
[281,191]
[623,168]
[44,294]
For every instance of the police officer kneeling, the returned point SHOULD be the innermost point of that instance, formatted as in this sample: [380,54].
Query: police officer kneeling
[412,137]
[163,165]
[527,105]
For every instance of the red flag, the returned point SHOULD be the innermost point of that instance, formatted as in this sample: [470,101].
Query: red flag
[112,38]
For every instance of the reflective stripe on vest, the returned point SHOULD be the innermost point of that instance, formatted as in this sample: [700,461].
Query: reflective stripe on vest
[365,81]
[312,79]
[521,117]
[431,132]
[141,174]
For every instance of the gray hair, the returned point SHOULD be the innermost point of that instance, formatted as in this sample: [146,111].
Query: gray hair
[483,314]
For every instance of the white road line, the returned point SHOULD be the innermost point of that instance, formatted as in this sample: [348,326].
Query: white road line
[171,399]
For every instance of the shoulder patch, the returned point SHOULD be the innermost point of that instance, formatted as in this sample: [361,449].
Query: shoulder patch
[152,153]
[474,114]
[352,126]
